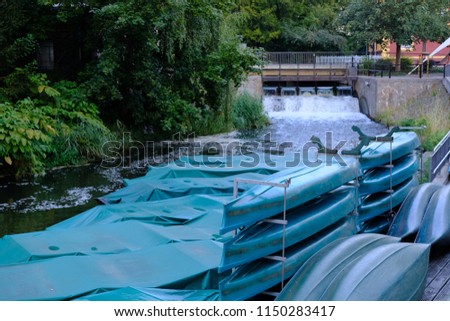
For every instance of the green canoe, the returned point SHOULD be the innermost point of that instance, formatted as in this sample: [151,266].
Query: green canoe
[265,238]
[389,272]
[313,278]
[407,221]
[435,226]
[378,153]
[377,204]
[255,277]
[379,179]
[306,183]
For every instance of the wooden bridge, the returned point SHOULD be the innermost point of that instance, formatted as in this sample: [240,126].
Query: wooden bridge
[300,67]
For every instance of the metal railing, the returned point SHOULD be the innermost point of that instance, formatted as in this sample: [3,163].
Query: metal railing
[303,58]
[441,154]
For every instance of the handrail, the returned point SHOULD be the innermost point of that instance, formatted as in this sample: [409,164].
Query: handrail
[305,57]
[440,155]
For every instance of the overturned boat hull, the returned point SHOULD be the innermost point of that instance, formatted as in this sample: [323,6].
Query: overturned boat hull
[408,220]
[313,278]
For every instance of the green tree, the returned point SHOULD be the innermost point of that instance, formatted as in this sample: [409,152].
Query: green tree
[164,65]
[401,22]
[292,25]
[315,28]
[22,24]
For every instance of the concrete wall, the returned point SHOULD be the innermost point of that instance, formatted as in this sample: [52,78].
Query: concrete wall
[253,85]
[377,94]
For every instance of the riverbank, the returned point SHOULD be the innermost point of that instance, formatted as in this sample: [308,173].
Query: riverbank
[409,102]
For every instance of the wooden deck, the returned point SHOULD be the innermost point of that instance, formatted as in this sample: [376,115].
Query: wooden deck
[438,278]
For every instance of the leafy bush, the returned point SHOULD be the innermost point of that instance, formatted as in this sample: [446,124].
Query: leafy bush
[406,63]
[25,134]
[248,112]
[54,125]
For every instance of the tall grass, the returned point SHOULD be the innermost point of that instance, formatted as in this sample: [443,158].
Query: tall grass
[431,110]
[248,112]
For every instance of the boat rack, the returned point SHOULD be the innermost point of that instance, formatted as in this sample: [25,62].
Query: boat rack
[282,222]
[365,140]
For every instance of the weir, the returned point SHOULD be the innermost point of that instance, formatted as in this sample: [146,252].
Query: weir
[288,72]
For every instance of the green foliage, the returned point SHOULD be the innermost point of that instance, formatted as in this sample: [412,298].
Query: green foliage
[289,25]
[52,126]
[161,64]
[401,22]
[23,23]
[248,112]
[429,137]
[25,134]
[406,63]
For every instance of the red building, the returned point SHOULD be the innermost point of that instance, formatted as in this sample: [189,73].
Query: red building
[416,49]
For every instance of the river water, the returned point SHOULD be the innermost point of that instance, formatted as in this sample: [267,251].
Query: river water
[34,204]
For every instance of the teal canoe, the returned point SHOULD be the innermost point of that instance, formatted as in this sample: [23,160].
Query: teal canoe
[307,183]
[265,238]
[378,153]
[172,265]
[379,224]
[407,221]
[313,278]
[435,226]
[152,294]
[390,272]
[380,203]
[255,277]
[156,190]
[379,179]
[196,210]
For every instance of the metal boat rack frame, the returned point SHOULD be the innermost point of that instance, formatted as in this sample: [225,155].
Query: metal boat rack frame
[282,222]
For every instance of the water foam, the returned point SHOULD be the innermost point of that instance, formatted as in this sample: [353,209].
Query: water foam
[313,107]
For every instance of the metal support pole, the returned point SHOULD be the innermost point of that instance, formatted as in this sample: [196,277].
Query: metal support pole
[391,190]
[283,222]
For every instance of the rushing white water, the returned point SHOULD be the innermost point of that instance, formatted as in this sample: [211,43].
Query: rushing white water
[311,106]
[296,118]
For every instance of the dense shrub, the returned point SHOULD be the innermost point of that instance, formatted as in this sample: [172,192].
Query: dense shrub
[248,112]
[54,125]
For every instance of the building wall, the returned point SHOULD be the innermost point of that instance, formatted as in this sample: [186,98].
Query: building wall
[416,49]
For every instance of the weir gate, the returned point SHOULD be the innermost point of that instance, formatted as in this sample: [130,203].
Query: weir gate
[298,73]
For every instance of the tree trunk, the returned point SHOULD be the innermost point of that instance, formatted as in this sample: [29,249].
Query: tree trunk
[398,54]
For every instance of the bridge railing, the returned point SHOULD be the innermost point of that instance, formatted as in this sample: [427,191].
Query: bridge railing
[302,58]
[441,154]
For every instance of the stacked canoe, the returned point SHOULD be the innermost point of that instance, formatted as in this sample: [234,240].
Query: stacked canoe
[179,232]
[389,175]
[424,216]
